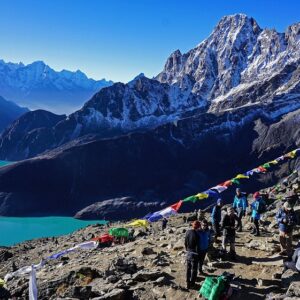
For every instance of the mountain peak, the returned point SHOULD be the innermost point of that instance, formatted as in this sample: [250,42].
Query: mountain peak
[237,22]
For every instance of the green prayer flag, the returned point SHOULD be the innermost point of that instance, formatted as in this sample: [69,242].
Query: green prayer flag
[266,165]
[235,181]
[190,199]
[119,232]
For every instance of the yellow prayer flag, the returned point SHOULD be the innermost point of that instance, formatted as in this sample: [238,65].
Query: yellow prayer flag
[240,176]
[139,223]
[201,196]
[273,162]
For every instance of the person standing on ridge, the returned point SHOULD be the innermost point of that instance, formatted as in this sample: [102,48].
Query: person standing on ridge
[164,223]
[286,219]
[258,207]
[228,225]
[216,218]
[204,242]
[240,205]
[191,246]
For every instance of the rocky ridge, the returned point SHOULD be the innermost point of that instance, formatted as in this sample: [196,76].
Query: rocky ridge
[152,266]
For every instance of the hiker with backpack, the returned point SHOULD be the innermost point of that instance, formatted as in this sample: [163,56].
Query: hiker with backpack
[258,207]
[294,264]
[286,219]
[204,242]
[216,218]
[191,246]
[228,225]
[240,205]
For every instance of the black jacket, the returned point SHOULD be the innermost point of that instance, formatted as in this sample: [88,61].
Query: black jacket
[228,224]
[191,241]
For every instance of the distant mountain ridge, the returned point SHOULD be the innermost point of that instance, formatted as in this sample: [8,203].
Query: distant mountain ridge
[9,111]
[36,85]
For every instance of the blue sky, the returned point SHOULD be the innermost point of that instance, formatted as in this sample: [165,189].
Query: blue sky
[119,39]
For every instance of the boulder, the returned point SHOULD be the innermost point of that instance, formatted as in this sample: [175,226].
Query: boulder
[116,294]
[294,289]
[289,277]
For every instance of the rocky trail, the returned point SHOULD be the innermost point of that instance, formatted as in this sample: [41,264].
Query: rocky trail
[152,266]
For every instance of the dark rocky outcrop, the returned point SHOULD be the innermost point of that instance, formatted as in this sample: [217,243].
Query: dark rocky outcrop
[167,163]
[116,209]
[9,112]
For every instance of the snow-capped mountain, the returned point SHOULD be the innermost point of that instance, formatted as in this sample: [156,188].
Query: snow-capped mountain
[226,106]
[36,85]
[238,65]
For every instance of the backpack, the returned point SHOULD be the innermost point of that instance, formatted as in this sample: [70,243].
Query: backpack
[212,287]
[261,207]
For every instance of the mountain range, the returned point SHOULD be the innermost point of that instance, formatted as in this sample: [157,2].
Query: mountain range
[227,105]
[37,86]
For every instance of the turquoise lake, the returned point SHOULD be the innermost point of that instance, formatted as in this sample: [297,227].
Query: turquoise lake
[16,230]
[4,163]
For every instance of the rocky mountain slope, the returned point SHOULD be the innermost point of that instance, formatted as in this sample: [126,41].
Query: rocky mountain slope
[238,65]
[36,86]
[152,266]
[9,112]
[161,165]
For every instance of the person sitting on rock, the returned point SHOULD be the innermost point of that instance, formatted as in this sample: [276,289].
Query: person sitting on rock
[216,218]
[191,246]
[240,205]
[228,225]
[286,219]
[292,198]
[294,264]
[204,242]
[164,223]
[258,207]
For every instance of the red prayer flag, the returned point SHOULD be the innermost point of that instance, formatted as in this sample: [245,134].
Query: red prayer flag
[177,205]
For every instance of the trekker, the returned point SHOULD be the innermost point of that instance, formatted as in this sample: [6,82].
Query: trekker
[294,264]
[200,215]
[191,246]
[216,218]
[164,223]
[286,219]
[258,207]
[240,205]
[228,225]
[204,242]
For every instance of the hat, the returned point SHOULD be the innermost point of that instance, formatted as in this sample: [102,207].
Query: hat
[287,206]
[256,195]
[196,224]
[238,189]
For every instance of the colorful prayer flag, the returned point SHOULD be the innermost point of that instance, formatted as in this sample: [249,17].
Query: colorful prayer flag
[241,176]
[201,196]
[139,223]
[190,199]
[177,205]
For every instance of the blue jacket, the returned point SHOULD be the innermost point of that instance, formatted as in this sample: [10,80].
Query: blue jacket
[255,207]
[240,202]
[204,239]
[289,216]
[216,214]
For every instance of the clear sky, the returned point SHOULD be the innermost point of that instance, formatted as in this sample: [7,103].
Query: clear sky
[118,39]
